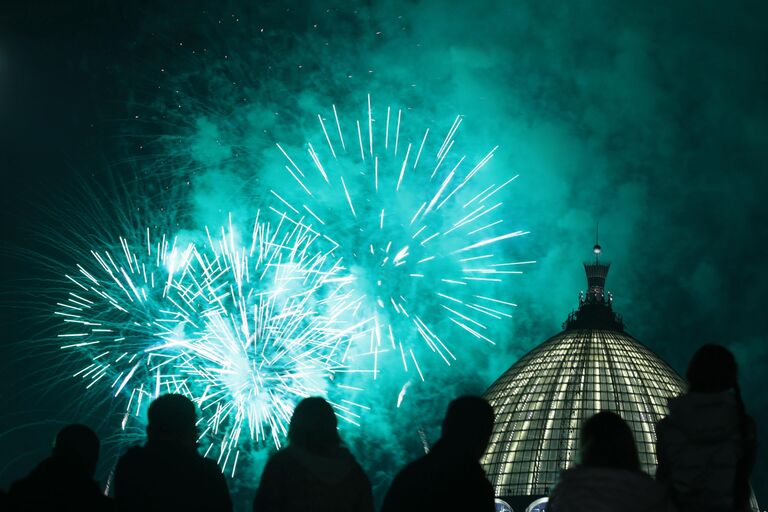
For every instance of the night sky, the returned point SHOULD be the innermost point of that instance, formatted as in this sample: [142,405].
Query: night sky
[650,118]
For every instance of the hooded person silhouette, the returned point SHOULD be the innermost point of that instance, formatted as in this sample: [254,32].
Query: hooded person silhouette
[315,473]
[168,473]
[449,477]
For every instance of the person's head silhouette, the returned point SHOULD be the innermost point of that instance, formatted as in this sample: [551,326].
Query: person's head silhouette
[172,418]
[79,446]
[607,442]
[712,370]
[313,427]
[468,425]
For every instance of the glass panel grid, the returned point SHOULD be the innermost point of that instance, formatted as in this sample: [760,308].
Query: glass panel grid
[543,399]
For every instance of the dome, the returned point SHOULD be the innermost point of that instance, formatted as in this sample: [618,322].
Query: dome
[543,399]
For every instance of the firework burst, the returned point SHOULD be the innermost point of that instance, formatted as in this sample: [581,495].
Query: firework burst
[420,230]
[244,329]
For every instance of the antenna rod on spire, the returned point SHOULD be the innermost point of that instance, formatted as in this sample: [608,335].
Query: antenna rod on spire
[596,249]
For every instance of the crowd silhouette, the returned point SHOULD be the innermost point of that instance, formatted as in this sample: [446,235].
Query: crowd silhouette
[706,451]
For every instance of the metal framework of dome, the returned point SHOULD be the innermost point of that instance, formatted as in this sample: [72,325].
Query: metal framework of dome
[542,400]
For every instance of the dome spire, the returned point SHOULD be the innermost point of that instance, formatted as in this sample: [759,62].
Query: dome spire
[595,307]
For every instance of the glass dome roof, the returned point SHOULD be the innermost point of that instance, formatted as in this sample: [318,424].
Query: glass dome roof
[543,399]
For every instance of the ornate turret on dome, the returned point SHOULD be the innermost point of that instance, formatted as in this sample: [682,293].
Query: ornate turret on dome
[596,307]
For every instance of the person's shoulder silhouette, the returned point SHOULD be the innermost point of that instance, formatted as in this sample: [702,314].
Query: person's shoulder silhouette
[609,476]
[168,473]
[315,473]
[449,477]
[63,481]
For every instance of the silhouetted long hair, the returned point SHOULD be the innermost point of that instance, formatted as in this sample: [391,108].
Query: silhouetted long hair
[607,442]
[313,427]
[713,369]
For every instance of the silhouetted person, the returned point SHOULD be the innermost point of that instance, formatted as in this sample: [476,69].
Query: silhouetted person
[609,478]
[168,473]
[315,473]
[63,481]
[449,477]
[707,444]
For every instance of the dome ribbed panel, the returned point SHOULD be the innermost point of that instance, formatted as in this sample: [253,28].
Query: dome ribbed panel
[543,399]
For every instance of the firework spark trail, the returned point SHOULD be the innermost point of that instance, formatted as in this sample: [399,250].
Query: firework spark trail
[418,227]
[111,313]
[245,330]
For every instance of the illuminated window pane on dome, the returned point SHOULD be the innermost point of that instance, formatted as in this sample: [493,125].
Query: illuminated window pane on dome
[543,399]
